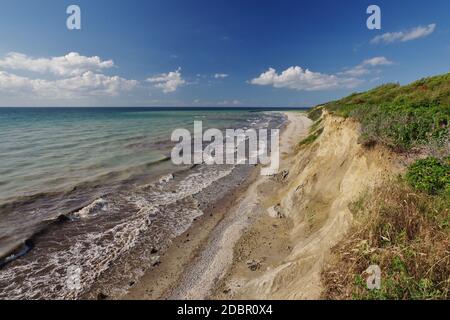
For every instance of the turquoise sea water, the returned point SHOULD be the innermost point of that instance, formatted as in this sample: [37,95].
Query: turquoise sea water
[93,189]
[48,149]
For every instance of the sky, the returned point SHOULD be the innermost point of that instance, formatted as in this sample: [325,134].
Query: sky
[248,53]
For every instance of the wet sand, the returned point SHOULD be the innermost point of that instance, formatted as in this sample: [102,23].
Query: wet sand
[198,260]
[159,281]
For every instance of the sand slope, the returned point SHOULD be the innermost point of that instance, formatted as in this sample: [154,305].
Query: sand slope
[287,254]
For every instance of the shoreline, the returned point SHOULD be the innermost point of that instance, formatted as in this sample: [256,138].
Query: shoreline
[133,226]
[158,281]
[196,260]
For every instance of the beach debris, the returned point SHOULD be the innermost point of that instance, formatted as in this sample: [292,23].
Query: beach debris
[282,176]
[155,261]
[275,212]
[166,179]
[254,265]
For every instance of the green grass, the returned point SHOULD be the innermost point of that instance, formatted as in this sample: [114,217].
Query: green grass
[315,113]
[311,138]
[400,117]
[430,175]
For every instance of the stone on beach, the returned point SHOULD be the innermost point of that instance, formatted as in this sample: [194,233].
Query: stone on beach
[275,212]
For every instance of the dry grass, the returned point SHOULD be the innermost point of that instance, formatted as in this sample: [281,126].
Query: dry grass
[407,234]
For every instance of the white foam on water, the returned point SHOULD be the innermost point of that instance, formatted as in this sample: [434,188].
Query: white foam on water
[98,206]
[92,253]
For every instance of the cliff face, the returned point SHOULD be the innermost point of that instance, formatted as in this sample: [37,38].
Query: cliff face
[324,178]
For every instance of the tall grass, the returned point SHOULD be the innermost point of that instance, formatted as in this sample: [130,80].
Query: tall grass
[403,231]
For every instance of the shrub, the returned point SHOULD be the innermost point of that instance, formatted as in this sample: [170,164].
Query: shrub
[315,113]
[430,175]
[399,117]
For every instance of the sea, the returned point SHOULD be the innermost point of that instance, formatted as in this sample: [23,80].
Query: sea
[89,197]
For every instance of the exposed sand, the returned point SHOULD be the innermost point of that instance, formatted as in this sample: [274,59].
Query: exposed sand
[202,276]
[197,258]
[162,278]
[241,252]
[282,258]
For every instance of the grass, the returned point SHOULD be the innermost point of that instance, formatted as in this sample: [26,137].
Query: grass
[315,132]
[400,117]
[430,175]
[310,138]
[315,113]
[403,226]
[406,232]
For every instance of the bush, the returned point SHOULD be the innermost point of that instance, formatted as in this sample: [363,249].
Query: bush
[315,113]
[430,175]
[401,118]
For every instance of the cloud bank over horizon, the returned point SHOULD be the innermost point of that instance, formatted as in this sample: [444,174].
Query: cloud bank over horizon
[72,76]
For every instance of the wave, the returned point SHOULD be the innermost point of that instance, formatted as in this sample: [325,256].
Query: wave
[21,200]
[93,224]
[40,208]
[96,235]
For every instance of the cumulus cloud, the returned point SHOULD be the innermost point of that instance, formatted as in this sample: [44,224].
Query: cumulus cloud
[404,36]
[366,67]
[87,84]
[168,82]
[72,64]
[71,76]
[220,75]
[297,78]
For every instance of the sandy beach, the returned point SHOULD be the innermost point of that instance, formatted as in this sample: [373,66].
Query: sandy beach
[271,237]
[196,262]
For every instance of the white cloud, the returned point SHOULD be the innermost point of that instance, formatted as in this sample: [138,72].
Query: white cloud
[300,79]
[220,75]
[168,82]
[377,61]
[67,77]
[72,64]
[297,78]
[366,66]
[403,36]
[88,84]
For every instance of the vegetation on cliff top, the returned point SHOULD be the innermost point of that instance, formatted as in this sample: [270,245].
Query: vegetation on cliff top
[400,117]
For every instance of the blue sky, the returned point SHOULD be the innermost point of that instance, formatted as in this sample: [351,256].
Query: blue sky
[214,53]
